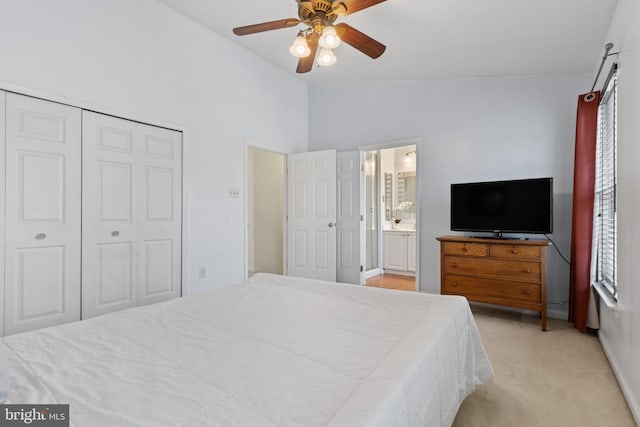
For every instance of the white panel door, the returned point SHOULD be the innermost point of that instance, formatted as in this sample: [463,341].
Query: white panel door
[3,97]
[311,213]
[43,172]
[160,214]
[350,262]
[109,214]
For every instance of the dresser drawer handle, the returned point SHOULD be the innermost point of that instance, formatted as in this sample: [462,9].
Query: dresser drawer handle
[454,265]
[464,249]
[527,292]
[526,270]
[514,251]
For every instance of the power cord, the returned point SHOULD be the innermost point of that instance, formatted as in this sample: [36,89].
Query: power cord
[565,260]
[557,249]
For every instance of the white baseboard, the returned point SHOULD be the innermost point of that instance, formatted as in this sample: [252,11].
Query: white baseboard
[400,272]
[373,273]
[554,314]
[632,402]
[558,314]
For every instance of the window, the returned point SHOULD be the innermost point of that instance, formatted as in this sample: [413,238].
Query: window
[605,203]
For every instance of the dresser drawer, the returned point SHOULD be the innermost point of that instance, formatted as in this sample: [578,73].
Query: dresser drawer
[476,288]
[466,249]
[519,270]
[515,252]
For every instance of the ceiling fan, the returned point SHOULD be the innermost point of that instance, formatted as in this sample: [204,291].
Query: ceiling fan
[319,17]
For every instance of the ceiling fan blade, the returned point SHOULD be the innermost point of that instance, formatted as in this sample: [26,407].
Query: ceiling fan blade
[353,6]
[360,41]
[306,64]
[266,26]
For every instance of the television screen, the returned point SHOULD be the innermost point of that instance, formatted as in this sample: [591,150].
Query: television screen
[517,206]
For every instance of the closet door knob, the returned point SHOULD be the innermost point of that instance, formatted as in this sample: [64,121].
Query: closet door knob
[40,236]
[115,233]
[331,225]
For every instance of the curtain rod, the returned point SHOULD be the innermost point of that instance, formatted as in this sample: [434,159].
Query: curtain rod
[607,48]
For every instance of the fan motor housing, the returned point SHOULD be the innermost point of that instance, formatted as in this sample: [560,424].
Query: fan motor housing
[317,12]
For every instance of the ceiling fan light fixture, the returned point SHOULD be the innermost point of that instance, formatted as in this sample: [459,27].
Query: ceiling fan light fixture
[326,58]
[300,48]
[329,38]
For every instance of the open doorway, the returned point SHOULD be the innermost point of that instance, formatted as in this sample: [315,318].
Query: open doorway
[266,211]
[391,246]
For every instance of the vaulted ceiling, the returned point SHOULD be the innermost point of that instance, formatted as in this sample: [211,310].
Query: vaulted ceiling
[431,38]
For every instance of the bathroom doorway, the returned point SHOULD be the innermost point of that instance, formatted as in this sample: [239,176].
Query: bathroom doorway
[391,244]
[266,211]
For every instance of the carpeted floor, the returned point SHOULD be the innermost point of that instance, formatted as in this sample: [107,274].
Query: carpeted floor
[555,378]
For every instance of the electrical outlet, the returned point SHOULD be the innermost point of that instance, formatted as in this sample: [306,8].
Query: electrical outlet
[202,272]
[234,193]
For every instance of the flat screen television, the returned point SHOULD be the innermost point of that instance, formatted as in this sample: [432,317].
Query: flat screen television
[516,206]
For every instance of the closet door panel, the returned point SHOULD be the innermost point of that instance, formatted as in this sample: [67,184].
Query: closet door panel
[109,209]
[43,208]
[160,224]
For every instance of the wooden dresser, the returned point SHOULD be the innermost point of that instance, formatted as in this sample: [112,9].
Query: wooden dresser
[511,273]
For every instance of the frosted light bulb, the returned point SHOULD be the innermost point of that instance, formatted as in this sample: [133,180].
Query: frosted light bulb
[326,57]
[329,38]
[299,48]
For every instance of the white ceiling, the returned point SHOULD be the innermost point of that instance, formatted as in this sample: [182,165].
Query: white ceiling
[431,38]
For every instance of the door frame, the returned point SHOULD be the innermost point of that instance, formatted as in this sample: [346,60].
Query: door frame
[256,146]
[395,144]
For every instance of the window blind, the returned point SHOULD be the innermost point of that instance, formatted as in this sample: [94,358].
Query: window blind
[605,203]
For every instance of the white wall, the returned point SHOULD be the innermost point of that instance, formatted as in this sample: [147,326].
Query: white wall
[140,59]
[470,130]
[620,326]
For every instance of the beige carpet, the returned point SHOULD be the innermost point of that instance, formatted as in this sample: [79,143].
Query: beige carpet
[555,378]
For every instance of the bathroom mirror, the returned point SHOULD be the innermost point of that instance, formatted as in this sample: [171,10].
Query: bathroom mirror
[405,207]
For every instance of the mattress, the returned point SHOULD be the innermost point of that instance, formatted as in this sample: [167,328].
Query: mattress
[271,351]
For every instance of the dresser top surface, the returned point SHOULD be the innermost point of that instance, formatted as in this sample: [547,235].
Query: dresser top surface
[496,241]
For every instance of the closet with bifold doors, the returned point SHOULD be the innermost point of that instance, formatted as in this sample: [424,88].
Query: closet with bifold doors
[92,213]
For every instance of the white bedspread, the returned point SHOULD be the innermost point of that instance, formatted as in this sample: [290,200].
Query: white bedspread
[271,351]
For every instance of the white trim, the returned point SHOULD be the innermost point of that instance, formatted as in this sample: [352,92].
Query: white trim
[392,144]
[632,402]
[553,314]
[373,273]
[605,296]
[400,273]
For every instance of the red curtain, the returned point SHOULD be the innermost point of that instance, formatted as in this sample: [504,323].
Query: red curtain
[584,173]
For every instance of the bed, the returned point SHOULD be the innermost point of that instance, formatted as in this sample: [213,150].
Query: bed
[271,351]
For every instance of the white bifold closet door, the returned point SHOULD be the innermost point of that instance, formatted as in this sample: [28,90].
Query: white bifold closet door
[131,207]
[42,214]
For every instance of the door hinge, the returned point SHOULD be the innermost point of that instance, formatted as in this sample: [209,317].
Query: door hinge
[361,268]
[361,217]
